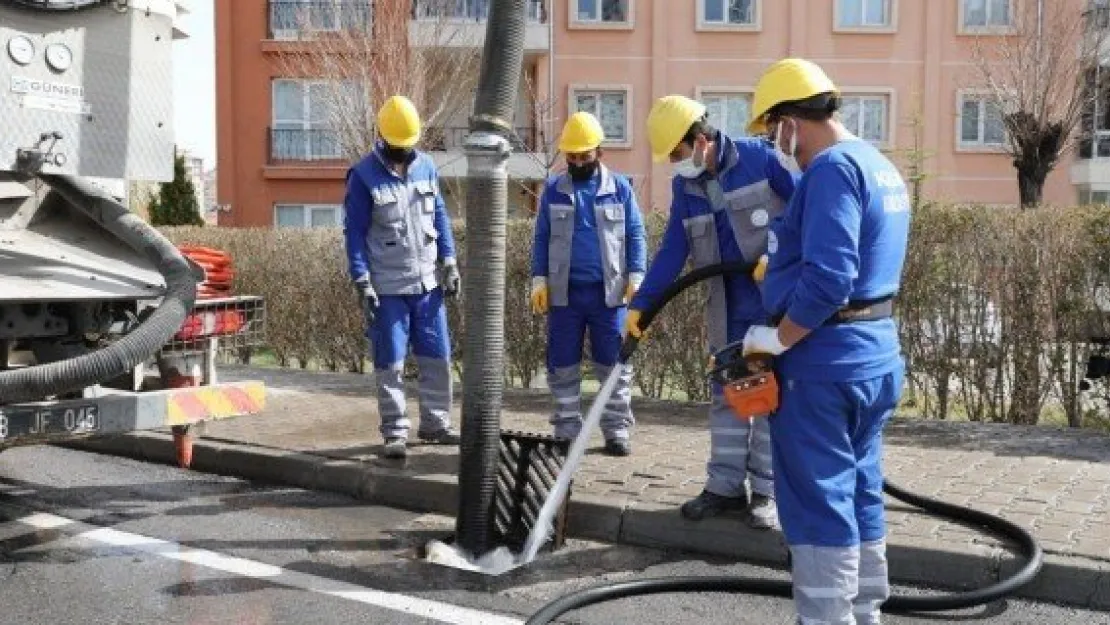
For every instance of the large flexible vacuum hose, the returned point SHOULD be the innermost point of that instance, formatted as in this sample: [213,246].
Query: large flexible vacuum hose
[1026,543]
[484,301]
[41,381]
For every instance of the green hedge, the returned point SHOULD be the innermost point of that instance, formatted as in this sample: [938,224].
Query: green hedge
[995,313]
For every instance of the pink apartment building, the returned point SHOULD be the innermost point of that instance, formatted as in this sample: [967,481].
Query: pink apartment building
[894,60]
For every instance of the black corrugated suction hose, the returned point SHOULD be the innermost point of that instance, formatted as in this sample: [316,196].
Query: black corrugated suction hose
[485,259]
[56,5]
[1026,543]
[41,381]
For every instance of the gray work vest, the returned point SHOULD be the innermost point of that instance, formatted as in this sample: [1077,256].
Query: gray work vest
[750,209]
[609,213]
[402,240]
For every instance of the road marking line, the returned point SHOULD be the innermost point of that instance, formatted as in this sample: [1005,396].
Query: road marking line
[43,521]
[426,608]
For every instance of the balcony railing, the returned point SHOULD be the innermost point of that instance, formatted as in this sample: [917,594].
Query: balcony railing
[303,145]
[473,10]
[443,139]
[299,145]
[292,19]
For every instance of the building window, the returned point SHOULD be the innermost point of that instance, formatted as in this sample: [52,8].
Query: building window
[1094,131]
[1088,196]
[986,14]
[308,215]
[728,12]
[602,11]
[867,116]
[301,120]
[863,14]
[728,112]
[980,122]
[610,106]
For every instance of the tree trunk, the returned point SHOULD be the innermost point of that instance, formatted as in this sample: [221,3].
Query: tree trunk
[1025,406]
[1031,181]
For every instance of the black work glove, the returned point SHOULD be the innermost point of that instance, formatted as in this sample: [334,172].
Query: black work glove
[452,281]
[370,302]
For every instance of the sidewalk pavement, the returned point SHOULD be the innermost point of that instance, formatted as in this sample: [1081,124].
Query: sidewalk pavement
[319,431]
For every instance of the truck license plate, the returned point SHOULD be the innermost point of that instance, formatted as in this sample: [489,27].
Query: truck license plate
[72,419]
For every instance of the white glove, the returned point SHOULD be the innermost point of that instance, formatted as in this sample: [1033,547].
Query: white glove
[763,340]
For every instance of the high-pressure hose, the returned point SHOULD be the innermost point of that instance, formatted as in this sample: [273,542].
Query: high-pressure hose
[1026,543]
[487,150]
[41,381]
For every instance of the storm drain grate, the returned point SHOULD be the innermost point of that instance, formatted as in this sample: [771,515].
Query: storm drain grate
[527,469]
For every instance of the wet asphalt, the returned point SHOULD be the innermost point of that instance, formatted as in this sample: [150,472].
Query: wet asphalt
[86,538]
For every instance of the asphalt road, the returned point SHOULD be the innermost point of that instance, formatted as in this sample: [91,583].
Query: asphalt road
[97,539]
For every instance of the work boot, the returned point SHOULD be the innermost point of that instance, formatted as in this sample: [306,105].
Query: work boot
[762,515]
[618,447]
[710,504]
[442,437]
[394,448]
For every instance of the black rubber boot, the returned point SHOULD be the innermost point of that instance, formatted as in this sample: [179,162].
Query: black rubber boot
[618,447]
[708,504]
[442,437]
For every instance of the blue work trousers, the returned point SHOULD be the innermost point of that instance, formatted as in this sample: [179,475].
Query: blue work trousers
[827,450]
[419,321]
[566,332]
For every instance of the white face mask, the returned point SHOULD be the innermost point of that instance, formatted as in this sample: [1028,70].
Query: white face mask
[692,166]
[687,169]
[789,161]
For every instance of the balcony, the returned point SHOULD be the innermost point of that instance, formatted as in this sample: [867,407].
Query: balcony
[292,20]
[470,10]
[447,139]
[462,23]
[529,160]
[313,149]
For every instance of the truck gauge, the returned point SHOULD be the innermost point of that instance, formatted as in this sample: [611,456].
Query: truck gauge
[58,57]
[21,49]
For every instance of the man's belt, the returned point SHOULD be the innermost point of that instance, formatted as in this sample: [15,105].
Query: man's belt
[862,310]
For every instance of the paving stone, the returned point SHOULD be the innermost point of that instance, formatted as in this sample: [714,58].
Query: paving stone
[1056,533]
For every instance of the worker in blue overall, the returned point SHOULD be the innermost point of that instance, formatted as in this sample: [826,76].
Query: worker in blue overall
[588,259]
[399,240]
[835,265]
[723,197]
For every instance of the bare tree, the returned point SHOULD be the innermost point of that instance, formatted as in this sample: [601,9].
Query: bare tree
[364,52]
[915,157]
[1038,75]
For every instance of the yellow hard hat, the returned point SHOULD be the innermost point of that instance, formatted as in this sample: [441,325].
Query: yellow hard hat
[788,80]
[398,122]
[581,133]
[670,117]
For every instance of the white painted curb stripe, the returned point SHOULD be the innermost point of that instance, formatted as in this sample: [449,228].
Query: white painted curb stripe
[426,608]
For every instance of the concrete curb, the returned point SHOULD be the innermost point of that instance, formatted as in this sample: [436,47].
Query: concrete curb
[1077,581]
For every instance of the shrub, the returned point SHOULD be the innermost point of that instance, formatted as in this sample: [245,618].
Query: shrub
[995,312]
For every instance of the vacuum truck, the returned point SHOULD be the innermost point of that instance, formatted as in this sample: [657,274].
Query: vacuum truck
[102,330]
